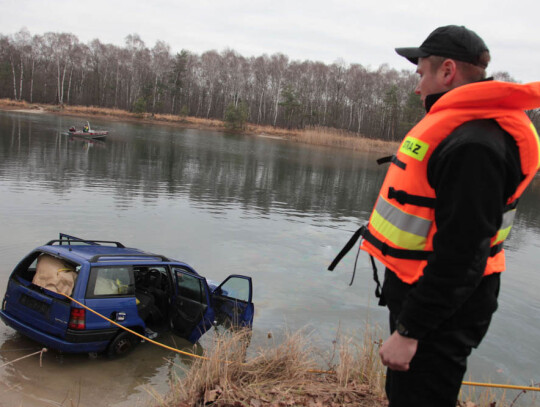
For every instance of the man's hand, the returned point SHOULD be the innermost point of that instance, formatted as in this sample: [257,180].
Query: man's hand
[397,352]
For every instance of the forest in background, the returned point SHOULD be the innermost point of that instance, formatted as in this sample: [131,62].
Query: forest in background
[57,68]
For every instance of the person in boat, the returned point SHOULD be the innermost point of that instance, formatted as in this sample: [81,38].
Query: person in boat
[444,209]
[86,128]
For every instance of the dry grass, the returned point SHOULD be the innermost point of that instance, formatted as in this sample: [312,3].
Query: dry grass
[10,103]
[284,375]
[326,136]
[321,136]
[344,139]
[288,374]
[471,396]
[145,117]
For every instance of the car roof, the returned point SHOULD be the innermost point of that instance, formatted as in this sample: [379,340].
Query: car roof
[93,253]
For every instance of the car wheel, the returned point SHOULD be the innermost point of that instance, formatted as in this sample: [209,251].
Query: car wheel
[121,345]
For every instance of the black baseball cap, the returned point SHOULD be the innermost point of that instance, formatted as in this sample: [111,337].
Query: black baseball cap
[451,41]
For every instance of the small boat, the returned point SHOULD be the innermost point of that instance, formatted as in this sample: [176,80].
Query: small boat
[87,132]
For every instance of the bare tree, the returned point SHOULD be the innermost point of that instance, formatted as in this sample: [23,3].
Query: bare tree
[278,65]
[271,90]
[61,47]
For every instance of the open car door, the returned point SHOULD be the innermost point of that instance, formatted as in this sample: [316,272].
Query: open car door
[191,315]
[232,301]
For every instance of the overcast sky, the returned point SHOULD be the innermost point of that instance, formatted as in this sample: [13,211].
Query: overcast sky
[354,31]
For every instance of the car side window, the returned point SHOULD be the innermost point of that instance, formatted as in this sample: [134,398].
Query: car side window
[110,281]
[190,287]
[237,288]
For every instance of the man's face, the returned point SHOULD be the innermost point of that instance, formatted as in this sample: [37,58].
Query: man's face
[430,82]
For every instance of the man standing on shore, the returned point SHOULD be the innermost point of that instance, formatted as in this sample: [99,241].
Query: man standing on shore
[443,212]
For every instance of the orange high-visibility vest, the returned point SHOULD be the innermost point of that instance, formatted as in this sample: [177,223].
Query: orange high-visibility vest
[402,225]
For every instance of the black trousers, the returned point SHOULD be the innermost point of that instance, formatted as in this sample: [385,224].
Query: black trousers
[437,369]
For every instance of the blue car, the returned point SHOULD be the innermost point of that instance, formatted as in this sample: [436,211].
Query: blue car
[145,292]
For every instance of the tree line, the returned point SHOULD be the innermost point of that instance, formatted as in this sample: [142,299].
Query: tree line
[267,89]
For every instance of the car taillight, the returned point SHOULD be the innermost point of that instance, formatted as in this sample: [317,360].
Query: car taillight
[77,318]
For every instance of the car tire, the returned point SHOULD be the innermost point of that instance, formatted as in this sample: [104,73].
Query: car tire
[121,345]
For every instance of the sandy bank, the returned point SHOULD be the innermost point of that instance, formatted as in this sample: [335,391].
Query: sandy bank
[38,110]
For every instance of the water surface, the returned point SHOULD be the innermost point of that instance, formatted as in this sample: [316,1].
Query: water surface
[224,204]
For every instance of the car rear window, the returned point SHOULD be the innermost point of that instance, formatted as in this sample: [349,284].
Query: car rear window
[47,271]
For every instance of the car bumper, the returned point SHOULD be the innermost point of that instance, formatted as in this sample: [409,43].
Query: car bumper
[80,341]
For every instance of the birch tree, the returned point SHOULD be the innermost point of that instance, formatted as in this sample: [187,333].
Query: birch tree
[61,47]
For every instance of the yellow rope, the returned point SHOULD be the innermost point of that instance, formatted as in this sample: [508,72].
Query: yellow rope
[478,384]
[136,333]
[501,386]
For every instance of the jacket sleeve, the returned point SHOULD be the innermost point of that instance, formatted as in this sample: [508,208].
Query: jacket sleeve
[472,181]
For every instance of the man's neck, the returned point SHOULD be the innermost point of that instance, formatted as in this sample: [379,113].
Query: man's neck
[431,99]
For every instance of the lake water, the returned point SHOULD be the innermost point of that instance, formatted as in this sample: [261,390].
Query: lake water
[271,209]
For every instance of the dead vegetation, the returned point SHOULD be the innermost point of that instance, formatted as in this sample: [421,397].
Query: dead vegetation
[16,104]
[282,375]
[325,136]
[295,373]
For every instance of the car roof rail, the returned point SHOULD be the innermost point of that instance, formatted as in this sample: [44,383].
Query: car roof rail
[64,236]
[62,242]
[121,257]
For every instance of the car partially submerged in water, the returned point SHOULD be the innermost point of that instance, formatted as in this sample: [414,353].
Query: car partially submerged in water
[142,291]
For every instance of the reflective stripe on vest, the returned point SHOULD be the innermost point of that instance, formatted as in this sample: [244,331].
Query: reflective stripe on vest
[506,226]
[410,232]
[402,229]
[537,141]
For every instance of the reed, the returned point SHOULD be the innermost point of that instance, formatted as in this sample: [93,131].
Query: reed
[471,396]
[325,136]
[289,374]
[14,103]
[146,117]
[283,375]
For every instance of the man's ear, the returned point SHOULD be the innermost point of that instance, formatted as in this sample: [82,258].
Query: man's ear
[448,70]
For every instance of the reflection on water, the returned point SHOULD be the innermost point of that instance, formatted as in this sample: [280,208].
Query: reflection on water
[209,169]
[225,204]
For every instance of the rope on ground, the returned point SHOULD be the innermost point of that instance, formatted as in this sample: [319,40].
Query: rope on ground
[41,352]
[501,386]
[17,350]
[477,384]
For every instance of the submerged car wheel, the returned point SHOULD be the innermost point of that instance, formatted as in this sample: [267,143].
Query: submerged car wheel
[121,345]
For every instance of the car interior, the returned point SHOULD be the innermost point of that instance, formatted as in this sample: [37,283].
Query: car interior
[153,293]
